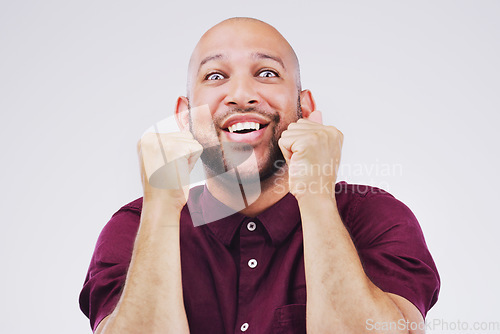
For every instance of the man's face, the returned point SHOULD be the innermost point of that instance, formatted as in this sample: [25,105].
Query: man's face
[246,73]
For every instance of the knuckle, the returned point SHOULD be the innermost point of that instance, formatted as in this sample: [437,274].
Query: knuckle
[332,128]
[321,135]
[285,133]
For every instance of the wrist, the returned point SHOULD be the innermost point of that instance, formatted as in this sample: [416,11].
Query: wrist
[315,200]
[315,195]
[317,210]
[163,204]
[313,187]
[171,198]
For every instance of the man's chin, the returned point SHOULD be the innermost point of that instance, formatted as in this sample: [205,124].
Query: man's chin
[245,173]
[234,160]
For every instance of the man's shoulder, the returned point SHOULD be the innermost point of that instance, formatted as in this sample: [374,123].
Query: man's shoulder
[368,210]
[135,205]
[348,195]
[349,190]
[362,203]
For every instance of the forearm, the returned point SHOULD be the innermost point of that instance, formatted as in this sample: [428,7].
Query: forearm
[340,297]
[152,300]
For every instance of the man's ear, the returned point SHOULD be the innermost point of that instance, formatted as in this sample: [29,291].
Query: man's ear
[307,103]
[182,113]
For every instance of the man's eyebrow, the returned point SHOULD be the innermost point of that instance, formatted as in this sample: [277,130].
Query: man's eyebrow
[257,55]
[260,55]
[209,58]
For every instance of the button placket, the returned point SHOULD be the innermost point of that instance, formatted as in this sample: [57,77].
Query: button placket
[249,247]
[251,226]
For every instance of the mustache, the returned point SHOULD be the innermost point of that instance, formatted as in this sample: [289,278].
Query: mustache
[272,116]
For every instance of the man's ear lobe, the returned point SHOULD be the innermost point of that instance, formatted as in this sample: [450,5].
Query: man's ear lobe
[182,113]
[307,103]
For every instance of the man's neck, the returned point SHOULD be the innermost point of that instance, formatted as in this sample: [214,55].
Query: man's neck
[271,191]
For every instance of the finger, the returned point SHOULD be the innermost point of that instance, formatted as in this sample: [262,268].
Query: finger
[179,135]
[292,144]
[296,132]
[169,137]
[189,149]
[304,123]
[285,149]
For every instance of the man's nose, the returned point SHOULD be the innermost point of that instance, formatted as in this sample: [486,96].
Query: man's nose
[241,93]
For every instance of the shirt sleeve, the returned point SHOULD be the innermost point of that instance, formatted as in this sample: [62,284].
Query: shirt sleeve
[108,267]
[393,251]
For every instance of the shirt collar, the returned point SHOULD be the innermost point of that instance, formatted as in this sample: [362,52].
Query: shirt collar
[279,220]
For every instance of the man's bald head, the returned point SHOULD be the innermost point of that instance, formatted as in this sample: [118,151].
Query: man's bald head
[228,32]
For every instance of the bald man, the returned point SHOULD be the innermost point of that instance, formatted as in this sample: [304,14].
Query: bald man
[200,261]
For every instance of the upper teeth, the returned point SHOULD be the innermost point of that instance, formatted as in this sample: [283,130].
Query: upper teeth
[244,126]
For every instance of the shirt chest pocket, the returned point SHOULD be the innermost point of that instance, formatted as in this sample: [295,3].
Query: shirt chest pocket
[290,319]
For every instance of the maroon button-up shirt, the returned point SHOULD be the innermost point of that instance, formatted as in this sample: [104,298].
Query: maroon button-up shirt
[242,274]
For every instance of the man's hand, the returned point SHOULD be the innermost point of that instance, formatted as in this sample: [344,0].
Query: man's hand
[312,151]
[166,159]
[152,299]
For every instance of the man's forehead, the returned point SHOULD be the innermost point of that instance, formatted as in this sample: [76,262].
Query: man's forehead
[246,37]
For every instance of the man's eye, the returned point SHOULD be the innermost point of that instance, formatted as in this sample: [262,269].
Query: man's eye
[214,76]
[268,74]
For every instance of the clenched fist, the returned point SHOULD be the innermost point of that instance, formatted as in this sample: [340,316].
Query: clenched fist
[166,159]
[312,151]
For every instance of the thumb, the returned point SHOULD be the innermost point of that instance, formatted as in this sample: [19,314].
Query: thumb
[316,116]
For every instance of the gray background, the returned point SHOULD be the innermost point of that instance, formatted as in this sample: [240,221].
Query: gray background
[413,85]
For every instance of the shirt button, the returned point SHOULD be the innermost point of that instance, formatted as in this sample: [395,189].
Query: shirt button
[244,327]
[252,263]
[251,226]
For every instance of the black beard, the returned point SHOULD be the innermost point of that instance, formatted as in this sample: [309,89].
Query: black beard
[275,159]
[219,159]
[222,158]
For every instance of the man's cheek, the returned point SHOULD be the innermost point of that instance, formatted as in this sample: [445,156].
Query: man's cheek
[201,117]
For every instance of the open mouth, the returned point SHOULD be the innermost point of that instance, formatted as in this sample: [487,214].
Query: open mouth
[245,127]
